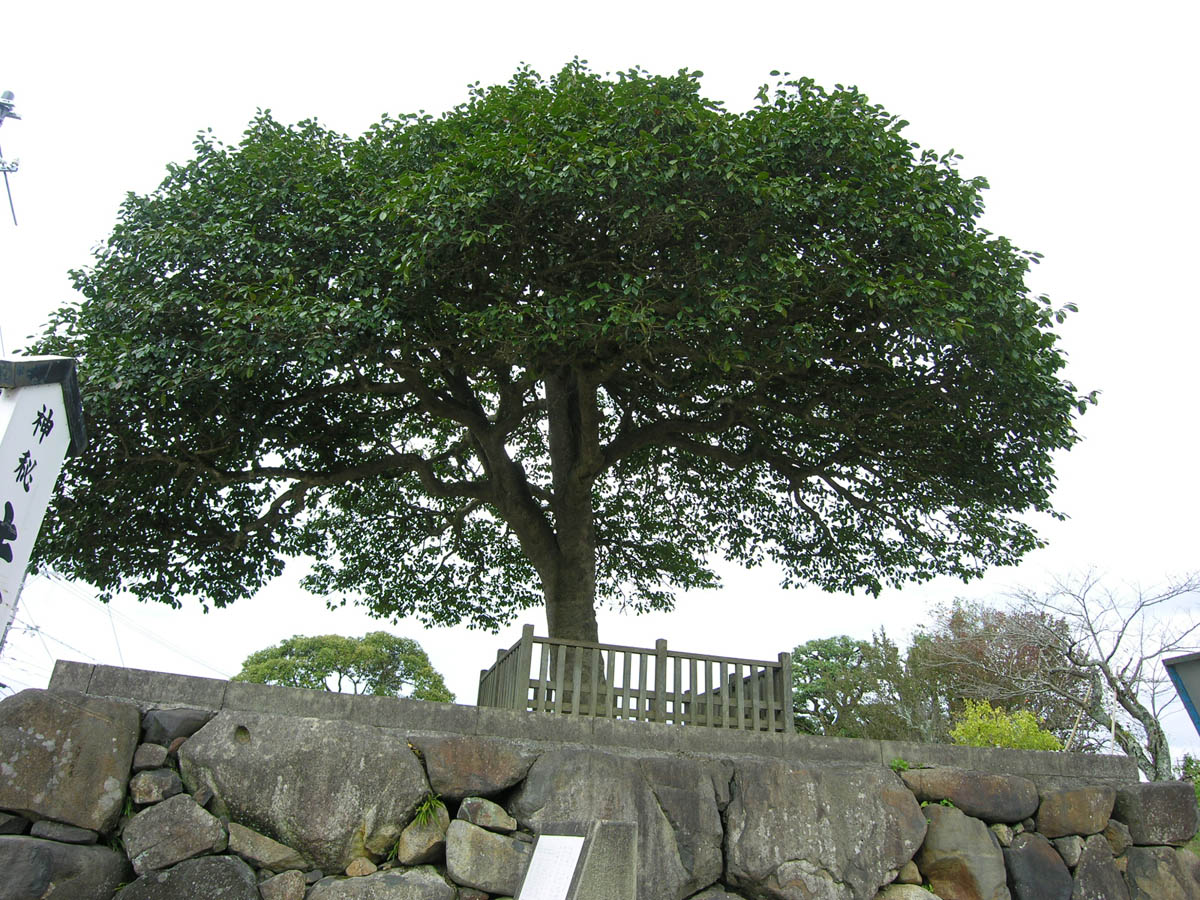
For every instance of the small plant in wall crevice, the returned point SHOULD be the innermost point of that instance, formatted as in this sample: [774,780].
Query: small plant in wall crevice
[427,809]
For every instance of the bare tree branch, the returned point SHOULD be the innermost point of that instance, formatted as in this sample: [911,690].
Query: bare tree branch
[1112,643]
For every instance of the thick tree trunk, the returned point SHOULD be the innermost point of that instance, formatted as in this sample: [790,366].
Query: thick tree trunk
[561,545]
[560,541]
[571,600]
[569,580]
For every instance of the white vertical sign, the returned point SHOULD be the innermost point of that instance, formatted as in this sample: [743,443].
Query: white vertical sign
[555,858]
[34,437]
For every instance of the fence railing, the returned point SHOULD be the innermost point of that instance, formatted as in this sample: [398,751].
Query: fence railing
[574,678]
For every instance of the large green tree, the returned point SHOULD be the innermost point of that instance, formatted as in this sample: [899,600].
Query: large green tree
[844,687]
[847,687]
[376,663]
[569,342]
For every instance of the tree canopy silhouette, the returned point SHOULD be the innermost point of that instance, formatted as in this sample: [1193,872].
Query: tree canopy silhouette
[376,663]
[570,343]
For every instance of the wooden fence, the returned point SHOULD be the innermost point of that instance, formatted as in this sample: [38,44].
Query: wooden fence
[546,675]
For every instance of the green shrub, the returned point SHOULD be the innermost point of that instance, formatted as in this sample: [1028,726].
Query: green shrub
[1189,770]
[982,725]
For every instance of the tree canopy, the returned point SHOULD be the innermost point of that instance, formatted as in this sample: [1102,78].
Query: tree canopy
[570,342]
[1092,651]
[1075,667]
[973,668]
[843,687]
[377,663]
[987,653]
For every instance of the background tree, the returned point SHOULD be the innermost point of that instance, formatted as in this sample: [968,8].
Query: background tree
[983,653]
[569,342]
[1189,770]
[846,687]
[1099,652]
[377,663]
[843,687]
[929,695]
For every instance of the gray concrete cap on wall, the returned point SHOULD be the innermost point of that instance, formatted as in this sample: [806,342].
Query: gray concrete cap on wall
[153,689]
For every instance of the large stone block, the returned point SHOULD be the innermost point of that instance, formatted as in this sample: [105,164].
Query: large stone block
[207,878]
[482,859]
[1161,873]
[1096,875]
[66,757]
[993,798]
[148,688]
[332,790]
[422,883]
[70,676]
[825,832]
[31,868]
[169,832]
[249,696]
[672,799]
[960,857]
[461,767]
[1158,812]
[1035,870]
[1080,811]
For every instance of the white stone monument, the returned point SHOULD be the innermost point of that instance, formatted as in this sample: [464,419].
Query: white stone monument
[41,419]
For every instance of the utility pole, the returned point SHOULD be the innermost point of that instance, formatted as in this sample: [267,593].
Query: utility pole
[6,112]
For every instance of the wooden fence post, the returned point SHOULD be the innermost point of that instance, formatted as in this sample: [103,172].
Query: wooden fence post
[787,719]
[523,661]
[481,698]
[660,681]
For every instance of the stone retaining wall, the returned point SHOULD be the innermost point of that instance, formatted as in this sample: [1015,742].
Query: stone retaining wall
[198,788]
[147,689]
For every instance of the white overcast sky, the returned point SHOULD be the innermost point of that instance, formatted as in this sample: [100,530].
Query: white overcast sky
[1081,115]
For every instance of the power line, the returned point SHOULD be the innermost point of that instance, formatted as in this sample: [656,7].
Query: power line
[74,590]
[35,629]
[17,670]
[129,623]
[38,632]
[116,640]
[26,665]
